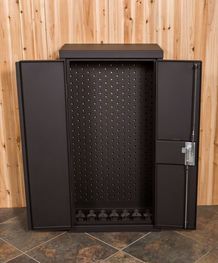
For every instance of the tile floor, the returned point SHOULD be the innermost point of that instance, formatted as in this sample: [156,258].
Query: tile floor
[19,245]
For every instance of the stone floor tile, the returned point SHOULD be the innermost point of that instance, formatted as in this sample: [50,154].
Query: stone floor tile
[15,232]
[167,247]
[207,226]
[7,251]
[7,213]
[122,257]
[72,247]
[211,257]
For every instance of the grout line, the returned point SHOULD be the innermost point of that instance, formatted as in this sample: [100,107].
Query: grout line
[136,240]
[8,219]
[13,258]
[20,256]
[11,245]
[102,241]
[133,257]
[26,251]
[203,255]
[121,249]
[110,256]
[139,260]
[32,258]
[193,239]
[22,253]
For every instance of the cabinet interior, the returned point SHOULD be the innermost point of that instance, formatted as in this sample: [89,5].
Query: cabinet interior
[111,137]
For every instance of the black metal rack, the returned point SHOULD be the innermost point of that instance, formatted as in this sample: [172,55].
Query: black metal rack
[107,138]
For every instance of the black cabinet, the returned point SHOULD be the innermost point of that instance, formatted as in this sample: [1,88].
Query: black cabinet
[110,137]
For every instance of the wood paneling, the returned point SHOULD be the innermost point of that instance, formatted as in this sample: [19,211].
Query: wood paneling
[36,29]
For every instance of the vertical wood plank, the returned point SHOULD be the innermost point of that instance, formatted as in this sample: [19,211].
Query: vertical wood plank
[165,27]
[33,29]
[128,21]
[12,192]
[177,18]
[53,28]
[16,54]
[187,29]
[102,20]
[76,22]
[84,21]
[116,21]
[150,27]
[139,22]
[5,197]
[58,26]
[199,52]
[215,184]
[207,51]
[134,21]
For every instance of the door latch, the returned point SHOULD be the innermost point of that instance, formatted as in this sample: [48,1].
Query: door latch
[189,151]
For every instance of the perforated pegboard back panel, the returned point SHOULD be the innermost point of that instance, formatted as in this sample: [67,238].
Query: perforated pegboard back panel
[111,111]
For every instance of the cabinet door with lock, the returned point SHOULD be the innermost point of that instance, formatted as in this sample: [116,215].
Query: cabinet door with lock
[176,143]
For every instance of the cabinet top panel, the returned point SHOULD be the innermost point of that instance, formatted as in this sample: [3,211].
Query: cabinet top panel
[110,51]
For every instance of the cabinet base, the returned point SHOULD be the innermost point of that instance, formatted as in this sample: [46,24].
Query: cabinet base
[111,228]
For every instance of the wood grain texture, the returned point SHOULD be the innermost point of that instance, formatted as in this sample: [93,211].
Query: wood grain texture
[36,29]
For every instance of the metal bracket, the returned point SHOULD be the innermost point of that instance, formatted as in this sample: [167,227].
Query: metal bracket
[189,151]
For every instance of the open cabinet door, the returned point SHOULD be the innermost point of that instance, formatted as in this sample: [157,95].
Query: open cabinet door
[177,140]
[41,88]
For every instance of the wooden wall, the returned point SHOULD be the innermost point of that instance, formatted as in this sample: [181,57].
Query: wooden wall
[36,29]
